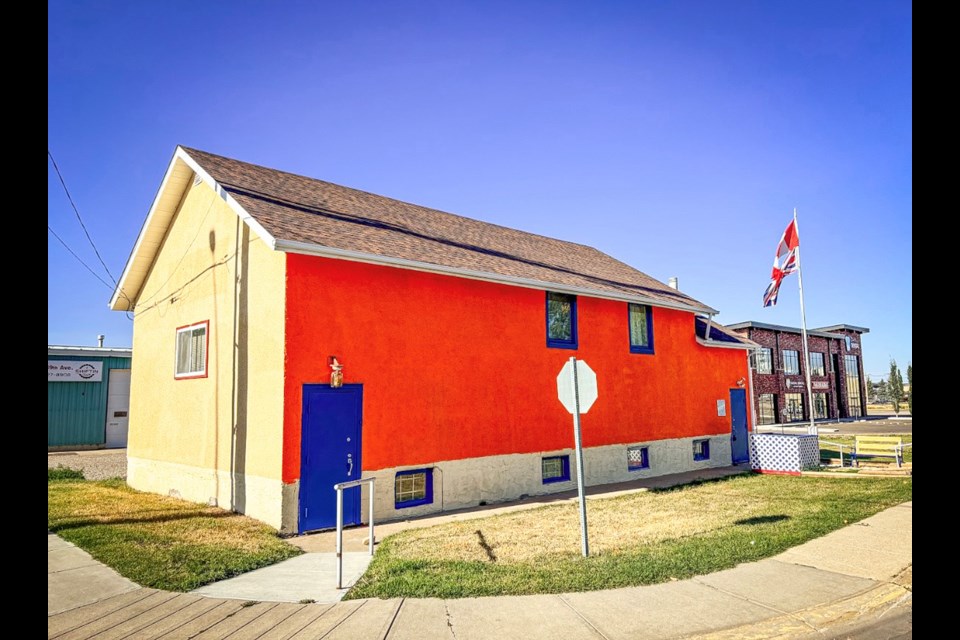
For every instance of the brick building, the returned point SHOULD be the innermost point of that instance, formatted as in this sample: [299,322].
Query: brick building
[779,379]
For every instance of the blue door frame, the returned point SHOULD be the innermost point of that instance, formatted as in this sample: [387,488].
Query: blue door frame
[739,450]
[329,453]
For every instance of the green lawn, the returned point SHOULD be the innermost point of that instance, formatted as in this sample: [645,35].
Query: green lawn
[829,450]
[643,538]
[156,541]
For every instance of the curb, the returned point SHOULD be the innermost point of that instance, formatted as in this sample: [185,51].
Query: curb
[816,619]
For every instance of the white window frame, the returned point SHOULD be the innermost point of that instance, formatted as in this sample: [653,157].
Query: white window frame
[763,360]
[820,370]
[190,356]
[795,358]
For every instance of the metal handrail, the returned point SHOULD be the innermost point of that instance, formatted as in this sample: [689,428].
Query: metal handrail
[339,487]
[838,444]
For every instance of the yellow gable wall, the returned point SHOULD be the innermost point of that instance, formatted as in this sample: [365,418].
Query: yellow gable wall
[219,437]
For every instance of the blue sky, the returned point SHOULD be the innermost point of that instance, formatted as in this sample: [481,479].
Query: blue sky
[675,136]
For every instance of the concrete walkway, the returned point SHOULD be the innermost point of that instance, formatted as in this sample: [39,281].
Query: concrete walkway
[312,576]
[862,570]
[75,579]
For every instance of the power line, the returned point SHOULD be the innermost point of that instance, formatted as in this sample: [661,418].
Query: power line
[107,284]
[67,191]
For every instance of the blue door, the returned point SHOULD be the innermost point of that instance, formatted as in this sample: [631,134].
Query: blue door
[738,434]
[329,453]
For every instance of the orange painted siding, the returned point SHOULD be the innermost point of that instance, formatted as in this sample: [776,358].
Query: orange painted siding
[455,368]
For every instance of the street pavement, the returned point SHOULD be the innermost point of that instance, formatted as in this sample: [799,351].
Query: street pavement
[873,425]
[863,571]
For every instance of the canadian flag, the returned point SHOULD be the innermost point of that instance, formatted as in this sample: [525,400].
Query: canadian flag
[784,262]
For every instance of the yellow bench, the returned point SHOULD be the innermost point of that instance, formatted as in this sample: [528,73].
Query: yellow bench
[869,446]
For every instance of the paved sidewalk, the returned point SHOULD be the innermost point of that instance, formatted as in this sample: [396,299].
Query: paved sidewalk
[862,569]
[311,576]
[75,579]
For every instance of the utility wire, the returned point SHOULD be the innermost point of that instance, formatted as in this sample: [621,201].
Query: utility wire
[67,191]
[107,284]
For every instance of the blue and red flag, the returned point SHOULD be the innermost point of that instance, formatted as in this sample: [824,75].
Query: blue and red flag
[784,262]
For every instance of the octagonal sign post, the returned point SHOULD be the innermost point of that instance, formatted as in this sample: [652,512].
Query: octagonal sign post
[577,390]
[585,386]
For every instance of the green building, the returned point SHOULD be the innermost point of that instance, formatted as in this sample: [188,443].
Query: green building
[88,397]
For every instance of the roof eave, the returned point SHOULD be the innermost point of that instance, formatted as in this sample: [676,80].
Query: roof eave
[747,346]
[312,249]
[750,324]
[64,350]
[842,327]
[176,181]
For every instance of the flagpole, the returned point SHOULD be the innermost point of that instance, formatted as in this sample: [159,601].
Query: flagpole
[812,429]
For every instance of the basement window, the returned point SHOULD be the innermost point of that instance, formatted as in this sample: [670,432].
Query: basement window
[638,458]
[701,450]
[555,469]
[413,487]
[192,351]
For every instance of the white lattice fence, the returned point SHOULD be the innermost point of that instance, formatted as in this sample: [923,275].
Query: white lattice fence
[783,453]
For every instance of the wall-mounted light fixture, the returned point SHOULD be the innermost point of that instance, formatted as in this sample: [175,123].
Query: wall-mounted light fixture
[741,382]
[336,372]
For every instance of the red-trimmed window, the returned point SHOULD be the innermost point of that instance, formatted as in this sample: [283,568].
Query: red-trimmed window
[192,351]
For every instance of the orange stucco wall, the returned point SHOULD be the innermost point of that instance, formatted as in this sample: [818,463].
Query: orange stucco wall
[455,368]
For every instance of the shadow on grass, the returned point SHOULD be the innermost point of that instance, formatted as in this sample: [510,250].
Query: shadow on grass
[486,546]
[695,483]
[762,519]
[167,517]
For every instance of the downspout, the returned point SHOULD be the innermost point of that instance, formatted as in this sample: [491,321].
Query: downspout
[707,333]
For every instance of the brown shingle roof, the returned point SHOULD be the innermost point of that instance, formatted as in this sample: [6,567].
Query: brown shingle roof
[294,208]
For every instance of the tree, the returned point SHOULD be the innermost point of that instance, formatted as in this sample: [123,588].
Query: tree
[883,396]
[910,390]
[895,386]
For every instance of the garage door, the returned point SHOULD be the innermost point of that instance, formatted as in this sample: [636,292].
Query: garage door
[118,407]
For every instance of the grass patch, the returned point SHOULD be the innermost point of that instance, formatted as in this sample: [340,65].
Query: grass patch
[830,451]
[887,409]
[61,472]
[642,538]
[156,541]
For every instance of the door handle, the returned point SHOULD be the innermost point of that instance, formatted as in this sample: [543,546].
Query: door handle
[350,464]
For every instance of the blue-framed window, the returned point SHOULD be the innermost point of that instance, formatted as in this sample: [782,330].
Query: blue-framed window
[561,320]
[413,487]
[638,458]
[701,450]
[640,319]
[555,469]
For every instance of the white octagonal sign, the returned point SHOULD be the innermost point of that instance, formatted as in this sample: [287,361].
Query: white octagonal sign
[586,384]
